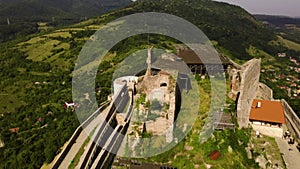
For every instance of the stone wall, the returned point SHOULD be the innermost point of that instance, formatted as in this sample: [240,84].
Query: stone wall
[292,120]
[264,92]
[250,73]
[234,64]
[268,131]
[235,80]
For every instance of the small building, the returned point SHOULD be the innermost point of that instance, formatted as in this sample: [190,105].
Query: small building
[197,66]
[14,130]
[281,55]
[267,117]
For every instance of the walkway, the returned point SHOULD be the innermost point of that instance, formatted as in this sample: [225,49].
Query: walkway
[79,142]
[291,158]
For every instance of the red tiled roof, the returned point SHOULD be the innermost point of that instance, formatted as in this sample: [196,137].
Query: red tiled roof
[14,130]
[270,111]
[214,155]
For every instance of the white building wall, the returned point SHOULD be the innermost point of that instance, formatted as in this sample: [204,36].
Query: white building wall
[268,131]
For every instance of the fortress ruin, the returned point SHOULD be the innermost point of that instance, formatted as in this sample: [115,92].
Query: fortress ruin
[244,85]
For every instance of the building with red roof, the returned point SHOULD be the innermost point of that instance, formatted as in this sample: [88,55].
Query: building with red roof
[267,117]
[14,130]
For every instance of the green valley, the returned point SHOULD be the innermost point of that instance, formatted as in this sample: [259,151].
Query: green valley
[36,81]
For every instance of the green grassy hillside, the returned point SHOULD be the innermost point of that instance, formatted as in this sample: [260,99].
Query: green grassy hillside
[35,76]
[31,16]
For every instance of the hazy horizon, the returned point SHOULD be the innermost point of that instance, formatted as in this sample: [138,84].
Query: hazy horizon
[269,7]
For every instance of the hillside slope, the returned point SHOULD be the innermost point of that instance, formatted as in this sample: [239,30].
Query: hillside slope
[231,26]
[23,15]
[279,21]
[58,8]
[35,74]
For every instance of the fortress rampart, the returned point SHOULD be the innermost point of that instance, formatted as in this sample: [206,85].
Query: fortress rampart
[292,120]
[264,92]
[249,74]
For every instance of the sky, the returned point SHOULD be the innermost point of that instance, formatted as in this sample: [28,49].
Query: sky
[271,7]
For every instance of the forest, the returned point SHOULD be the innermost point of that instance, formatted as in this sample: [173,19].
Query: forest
[19,18]
[36,70]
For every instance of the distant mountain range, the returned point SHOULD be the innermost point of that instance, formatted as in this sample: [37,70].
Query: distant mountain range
[61,8]
[279,21]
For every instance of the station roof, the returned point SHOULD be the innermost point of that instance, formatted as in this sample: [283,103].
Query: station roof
[269,111]
[190,57]
[169,65]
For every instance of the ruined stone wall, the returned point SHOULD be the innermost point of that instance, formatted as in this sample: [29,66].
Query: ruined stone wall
[234,64]
[292,120]
[235,80]
[264,92]
[250,73]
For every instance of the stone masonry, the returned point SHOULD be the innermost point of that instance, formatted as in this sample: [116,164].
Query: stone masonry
[264,92]
[250,73]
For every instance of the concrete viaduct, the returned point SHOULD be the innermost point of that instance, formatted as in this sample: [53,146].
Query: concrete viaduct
[112,124]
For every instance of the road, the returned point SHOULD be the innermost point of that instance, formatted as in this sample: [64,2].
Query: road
[73,151]
[291,157]
[79,142]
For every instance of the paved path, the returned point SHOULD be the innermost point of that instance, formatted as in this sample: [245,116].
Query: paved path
[73,151]
[79,142]
[86,148]
[291,158]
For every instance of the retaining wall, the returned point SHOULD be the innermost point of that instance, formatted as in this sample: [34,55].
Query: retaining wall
[292,120]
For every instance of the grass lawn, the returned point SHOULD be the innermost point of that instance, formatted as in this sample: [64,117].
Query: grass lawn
[45,49]
[31,41]
[8,102]
[268,147]
[287,43]
[63,34]
[40,51]
[268,61]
